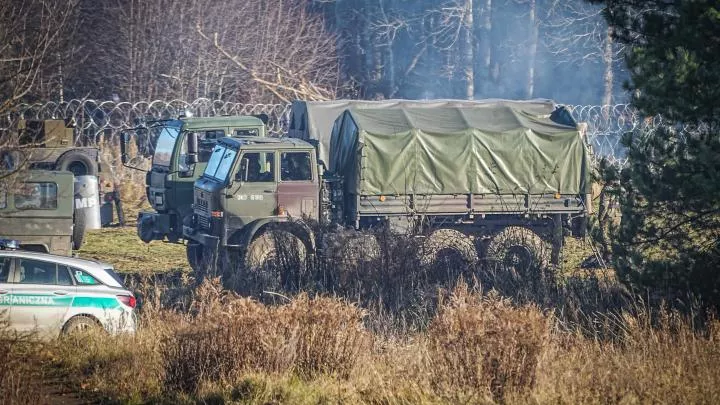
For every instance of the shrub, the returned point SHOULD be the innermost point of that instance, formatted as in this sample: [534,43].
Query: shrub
[485,344]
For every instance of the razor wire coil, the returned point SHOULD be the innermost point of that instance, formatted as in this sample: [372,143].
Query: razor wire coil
[95,119]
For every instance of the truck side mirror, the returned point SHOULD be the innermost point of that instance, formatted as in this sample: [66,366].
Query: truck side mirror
[124,136]
[192,148]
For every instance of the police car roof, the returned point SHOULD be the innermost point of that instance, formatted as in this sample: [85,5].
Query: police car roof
[65,260]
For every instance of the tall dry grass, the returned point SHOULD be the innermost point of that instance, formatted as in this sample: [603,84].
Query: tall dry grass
[485,344]
[21,371]
[477,348]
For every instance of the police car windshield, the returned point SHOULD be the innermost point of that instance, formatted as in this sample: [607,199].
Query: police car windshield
[220,163]
[167,135]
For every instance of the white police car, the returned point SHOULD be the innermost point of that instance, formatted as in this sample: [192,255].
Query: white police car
[50,294]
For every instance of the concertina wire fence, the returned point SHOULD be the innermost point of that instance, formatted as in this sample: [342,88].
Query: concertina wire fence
[105,120]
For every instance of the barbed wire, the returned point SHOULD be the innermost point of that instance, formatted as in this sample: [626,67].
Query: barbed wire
[96,119]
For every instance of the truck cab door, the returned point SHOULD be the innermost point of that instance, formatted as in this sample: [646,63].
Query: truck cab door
[254,191]
[298,189]
[181,182]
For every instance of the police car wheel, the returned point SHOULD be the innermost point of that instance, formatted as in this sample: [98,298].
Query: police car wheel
[80,324]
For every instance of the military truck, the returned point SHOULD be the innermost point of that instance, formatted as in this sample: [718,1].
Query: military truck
[36,208]
[499,179]
[181,150]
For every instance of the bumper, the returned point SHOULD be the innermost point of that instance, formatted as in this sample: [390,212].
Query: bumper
[125,322]
[200,237]
[153,226]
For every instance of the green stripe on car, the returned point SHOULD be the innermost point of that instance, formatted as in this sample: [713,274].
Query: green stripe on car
[40,300]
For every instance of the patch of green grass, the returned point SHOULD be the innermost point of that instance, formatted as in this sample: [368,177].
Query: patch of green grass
[122,248]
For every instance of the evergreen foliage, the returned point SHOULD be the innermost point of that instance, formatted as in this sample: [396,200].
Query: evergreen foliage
[669,236]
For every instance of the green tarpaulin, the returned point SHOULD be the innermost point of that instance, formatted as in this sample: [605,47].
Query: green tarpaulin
[313,120]
[492,147]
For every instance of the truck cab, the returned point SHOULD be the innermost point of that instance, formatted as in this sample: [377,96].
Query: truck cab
[176,166]
[250,182]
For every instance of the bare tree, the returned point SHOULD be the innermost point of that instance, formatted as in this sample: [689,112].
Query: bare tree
[33,43]
[576,33]
[285,54]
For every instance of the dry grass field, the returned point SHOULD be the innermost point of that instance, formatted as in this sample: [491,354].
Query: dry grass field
[381,334]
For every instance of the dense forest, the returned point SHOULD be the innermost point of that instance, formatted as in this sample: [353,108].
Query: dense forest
[273,51]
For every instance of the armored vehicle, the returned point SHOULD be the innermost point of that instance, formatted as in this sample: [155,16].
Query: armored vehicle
[37,210]
[499,178]
[51,145]
[180,155]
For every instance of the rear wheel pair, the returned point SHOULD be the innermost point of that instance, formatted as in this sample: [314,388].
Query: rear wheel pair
[515,247]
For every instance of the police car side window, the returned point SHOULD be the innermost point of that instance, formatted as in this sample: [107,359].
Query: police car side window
[37,272]
[4,269]
[82,278]
[63,276]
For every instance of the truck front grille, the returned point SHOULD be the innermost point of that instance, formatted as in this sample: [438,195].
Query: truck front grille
[203,213]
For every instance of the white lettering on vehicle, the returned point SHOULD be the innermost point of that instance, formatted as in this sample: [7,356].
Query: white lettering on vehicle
[251,197]
[26,300]
[85,202]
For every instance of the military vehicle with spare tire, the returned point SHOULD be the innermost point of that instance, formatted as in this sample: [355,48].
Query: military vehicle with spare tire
[54,146]
[504,180]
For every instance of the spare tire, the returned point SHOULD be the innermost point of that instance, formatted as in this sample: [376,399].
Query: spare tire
[78,232]
[77,162]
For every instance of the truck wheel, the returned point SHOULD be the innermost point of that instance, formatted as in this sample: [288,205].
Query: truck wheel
[275,259]
[351,248]
[78,234]
[80,164]
[448,244]
[519,248]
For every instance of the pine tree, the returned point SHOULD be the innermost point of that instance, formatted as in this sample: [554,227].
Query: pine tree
[669,236]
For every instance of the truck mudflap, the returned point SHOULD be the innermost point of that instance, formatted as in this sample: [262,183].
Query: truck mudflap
[153,226]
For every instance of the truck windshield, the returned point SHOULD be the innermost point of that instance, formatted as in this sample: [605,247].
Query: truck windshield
[165,144]
[220,163]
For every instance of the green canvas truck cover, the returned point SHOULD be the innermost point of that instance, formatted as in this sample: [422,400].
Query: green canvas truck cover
[314,120]
[490,148]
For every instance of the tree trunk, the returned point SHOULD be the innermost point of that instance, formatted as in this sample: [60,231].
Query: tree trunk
[532,51]
[485,47]
[468,59]
[608,61]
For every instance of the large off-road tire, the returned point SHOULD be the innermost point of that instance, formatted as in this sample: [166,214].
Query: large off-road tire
[80,164]
[520,249]
[350,248]
[81,324]
[78,234]
[275,259]
[448,246]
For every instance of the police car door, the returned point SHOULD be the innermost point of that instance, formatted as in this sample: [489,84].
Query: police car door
[41,295]
[5,287]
